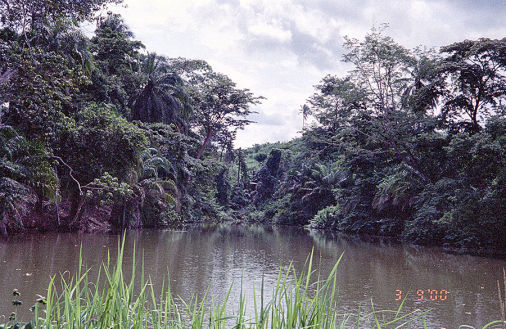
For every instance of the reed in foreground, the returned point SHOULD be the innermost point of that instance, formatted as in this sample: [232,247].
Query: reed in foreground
[112,301]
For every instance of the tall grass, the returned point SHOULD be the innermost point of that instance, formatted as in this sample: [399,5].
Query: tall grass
[112,301]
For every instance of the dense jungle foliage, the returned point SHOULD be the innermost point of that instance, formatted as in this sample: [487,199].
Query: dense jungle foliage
[410,144]
[99,133]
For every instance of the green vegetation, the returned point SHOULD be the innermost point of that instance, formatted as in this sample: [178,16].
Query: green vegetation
[410,144]
[98,133]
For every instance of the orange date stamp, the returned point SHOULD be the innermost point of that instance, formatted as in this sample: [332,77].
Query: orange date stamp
[425,294]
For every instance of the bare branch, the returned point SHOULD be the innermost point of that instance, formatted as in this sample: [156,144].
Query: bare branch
[70,172]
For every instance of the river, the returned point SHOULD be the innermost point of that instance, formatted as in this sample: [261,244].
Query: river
[459,289]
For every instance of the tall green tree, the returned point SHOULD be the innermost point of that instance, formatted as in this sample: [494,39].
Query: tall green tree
[175,147]
[117,75]
[477,86]
[162,97]
[29,14]
[41,93]
[380,69]
[424,87]
[219,106]
[335,101]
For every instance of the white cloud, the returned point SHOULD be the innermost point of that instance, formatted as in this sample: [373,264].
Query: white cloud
[281,48]
[264,29]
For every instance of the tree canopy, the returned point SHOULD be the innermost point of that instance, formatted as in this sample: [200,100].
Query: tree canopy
[99,133]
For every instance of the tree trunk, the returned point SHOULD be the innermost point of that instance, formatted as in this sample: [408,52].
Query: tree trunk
[179,199]
[38,204]
[75,209]
[3,229]
[136,213]
[238,170]
[75,222]
[204,145]
[117,215]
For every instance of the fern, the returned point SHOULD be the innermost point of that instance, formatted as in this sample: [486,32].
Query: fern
[24,169]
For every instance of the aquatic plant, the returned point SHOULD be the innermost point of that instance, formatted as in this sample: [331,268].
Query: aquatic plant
[111,301]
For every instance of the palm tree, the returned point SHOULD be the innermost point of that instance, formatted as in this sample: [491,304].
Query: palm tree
[422,87]
[156,185]
[24,169]
[305,113]
[323,179]
[162,98]
[398,189]
[12,191]
[146,202]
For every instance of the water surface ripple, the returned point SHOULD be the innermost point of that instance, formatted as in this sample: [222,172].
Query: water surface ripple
[215,257]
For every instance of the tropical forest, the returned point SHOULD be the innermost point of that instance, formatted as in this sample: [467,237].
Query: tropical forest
[100,134]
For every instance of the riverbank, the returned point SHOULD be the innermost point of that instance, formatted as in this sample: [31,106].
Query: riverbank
[97,223]
[379,239]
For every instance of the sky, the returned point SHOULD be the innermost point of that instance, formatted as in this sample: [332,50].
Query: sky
[280,49]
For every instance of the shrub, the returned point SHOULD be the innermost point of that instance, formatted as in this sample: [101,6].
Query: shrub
[326,218]
[260,157]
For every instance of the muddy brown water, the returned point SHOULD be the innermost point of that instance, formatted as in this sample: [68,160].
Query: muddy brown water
[459,289]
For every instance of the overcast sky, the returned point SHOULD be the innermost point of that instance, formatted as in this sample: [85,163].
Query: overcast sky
[279,49]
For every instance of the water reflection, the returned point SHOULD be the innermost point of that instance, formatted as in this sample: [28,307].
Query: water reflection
[215,257]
